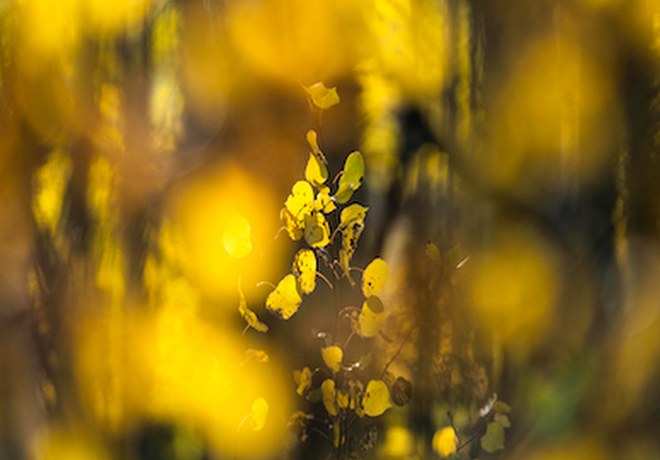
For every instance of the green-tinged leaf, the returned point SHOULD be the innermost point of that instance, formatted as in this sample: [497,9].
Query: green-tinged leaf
[312,140]
[332,357]
[351,177]
[351,214]
[304,269]
[401,391]
[500,407]
[328,393]
[285,300]
[260,356]
[323,97]
[317,230]
[503,420]
[371,317]
[248,315]
[493,440]
[376,398]
[374,277]
[293,226]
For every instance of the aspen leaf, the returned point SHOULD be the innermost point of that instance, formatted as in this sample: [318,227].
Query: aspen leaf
[248,315]
[237,237]
[304,269]
[374,277]
[371,317]
[328,395]
[332,357]
[343,400]
[503,420]
[293,226]
[317,230]
[401,391]
[351,214]
[351,177]
[376,398]
[299,202]
[493,440]
[258,414]
[445,441]
[285,300]
[322,97]
[303,379]
[323,201]
[315,171]
[312,140]
[259,356]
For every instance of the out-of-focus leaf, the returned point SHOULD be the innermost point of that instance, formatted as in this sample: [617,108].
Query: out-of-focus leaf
[285,300]
[343,400]
[376,398]
[328,393]
[374,277]
[248,315]
[322,97]
[332,357]
[260,356]
[258,414]
[303,379]
[445,441]
[493,440]
[503,420]
[293,226]
[237,237]
[371,317]
[304,269]
[401,391]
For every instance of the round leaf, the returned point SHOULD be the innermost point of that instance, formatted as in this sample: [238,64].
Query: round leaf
[332,357]
[376,398]
[445,441]
[304,269]
[258,414]
[323,97]
[316,172]
[374,277]
[317,230]
[285,300]
[328,394]
[493,440]
[371,317]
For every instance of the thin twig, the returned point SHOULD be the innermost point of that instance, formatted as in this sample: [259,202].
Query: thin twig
[396,355]
[324,278]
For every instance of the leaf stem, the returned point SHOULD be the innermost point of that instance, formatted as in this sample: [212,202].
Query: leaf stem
[396,355]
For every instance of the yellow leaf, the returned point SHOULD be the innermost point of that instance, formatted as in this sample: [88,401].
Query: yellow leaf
[328,395]
[323,97]
[237,237]
[259,356]
[304,269]
[323,201]
[303,379]
[285,300]
[292,225]
[332,357]
[315,171]
[258,414]
[248,315]
[312,140]
[445,441]
[317,230]
[371,317]
[374,277]
[299,203]
[342,400]
[351,214]
[376,398]
[351,177]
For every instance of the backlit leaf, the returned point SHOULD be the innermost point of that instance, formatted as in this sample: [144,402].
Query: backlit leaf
[237,237]
[324,202]
[304,269]
[258,414]
[493,440]
[445,441]
[328,394]
[312,140]
[323,97]
[315,171]
[352,225]
[259,356]
[332,357]
[293,226]
[376,398]
[248,315]
[351,177]
[371,317]
[285,300]
[351,214]
[317,230]
[401,391]
[343,400]
[374,277]
[303,379]
[299,202]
